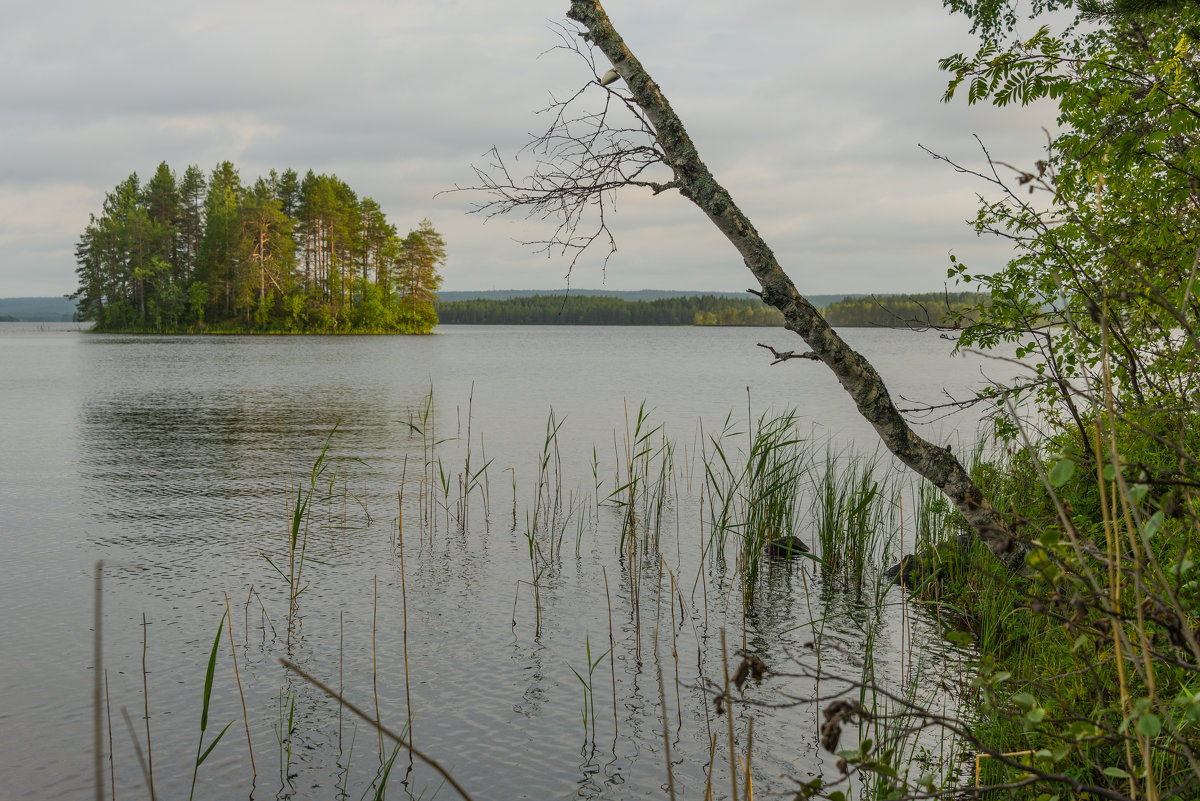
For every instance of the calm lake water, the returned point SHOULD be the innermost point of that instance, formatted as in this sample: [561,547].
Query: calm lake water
[175,460]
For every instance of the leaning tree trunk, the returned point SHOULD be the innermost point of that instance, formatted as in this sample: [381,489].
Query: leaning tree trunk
[854,372]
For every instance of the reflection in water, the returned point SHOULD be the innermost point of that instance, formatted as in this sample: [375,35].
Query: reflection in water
[189,455]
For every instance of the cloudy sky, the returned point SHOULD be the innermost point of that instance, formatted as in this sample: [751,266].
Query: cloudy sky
[809,112]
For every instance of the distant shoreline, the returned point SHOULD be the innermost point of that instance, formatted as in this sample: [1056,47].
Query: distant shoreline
[608,307]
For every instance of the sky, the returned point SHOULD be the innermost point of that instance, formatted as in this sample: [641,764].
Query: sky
[810,113]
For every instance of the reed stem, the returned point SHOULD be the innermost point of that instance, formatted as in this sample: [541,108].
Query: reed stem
[241,693]
[146,709]
[378,726]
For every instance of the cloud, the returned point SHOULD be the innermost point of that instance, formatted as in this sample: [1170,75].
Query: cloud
[809,113]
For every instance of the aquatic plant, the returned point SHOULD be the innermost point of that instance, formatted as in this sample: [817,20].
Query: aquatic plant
[589,697]
[298,525]
[850,517]
[208,685]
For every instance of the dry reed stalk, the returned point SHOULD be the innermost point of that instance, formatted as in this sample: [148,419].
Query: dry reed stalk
[513,470]
[266,617]
[112,770]
[404,612]
[430,761]
[146,708]
[903,604]
[712,758]
[97,668]
[733,774]
[374,671]
[464,485]
[341,662]
[400,501]
[137,748]
[749,794]
[674,626]
[662,695]
[700,570]
[238,676]
[1114,588]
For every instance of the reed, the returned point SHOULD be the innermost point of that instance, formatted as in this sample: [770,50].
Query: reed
[753,494]
[208,685]
[375,722]
[759,483]
[632,491]
[298,526]
[285,730]
[146,710]
[851,517]
[589,696]
[547,503]
[241,693]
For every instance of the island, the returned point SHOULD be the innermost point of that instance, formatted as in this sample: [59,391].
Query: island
[283,254]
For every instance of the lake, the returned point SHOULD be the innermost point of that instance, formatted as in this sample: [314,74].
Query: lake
[177,461]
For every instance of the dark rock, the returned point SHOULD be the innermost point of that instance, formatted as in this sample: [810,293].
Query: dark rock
[914,569]
[785,547]
[906,571]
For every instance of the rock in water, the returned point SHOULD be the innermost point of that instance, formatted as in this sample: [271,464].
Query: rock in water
[903,572]
[785,547]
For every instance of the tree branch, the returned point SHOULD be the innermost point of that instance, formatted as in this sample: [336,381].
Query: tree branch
[856,375]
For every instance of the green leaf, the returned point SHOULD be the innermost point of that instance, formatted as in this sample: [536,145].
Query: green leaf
[1025,701]
[1036,715]
[1109,472]
[1116,773]
[1061,472]
[208,676]
[1149,725]
[213,744]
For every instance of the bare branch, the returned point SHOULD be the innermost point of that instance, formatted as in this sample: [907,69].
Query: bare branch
[783,356]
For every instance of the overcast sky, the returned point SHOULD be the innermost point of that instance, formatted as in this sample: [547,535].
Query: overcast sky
[809,112]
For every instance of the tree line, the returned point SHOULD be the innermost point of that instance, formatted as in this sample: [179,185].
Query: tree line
[282,254]
[598,310]
[893,311]
[905,311]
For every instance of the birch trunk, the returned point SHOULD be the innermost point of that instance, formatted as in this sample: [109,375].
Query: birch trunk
[854,372]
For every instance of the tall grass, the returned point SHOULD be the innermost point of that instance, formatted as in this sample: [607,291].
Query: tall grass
[298,525]
[851,518]
[208,686]
[755,495]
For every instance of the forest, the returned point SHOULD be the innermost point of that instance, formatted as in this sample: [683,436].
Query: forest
[597,310]
[905,311]
[888,311]
[283,254]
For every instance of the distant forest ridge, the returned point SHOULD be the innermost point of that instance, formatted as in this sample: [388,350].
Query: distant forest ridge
[621,306]
[575,309]
[906,311]
[38,310]
[725,309]
[623,294]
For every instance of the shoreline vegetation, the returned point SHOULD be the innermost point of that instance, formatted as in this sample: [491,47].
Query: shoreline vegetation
[921,310]
[282,255]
